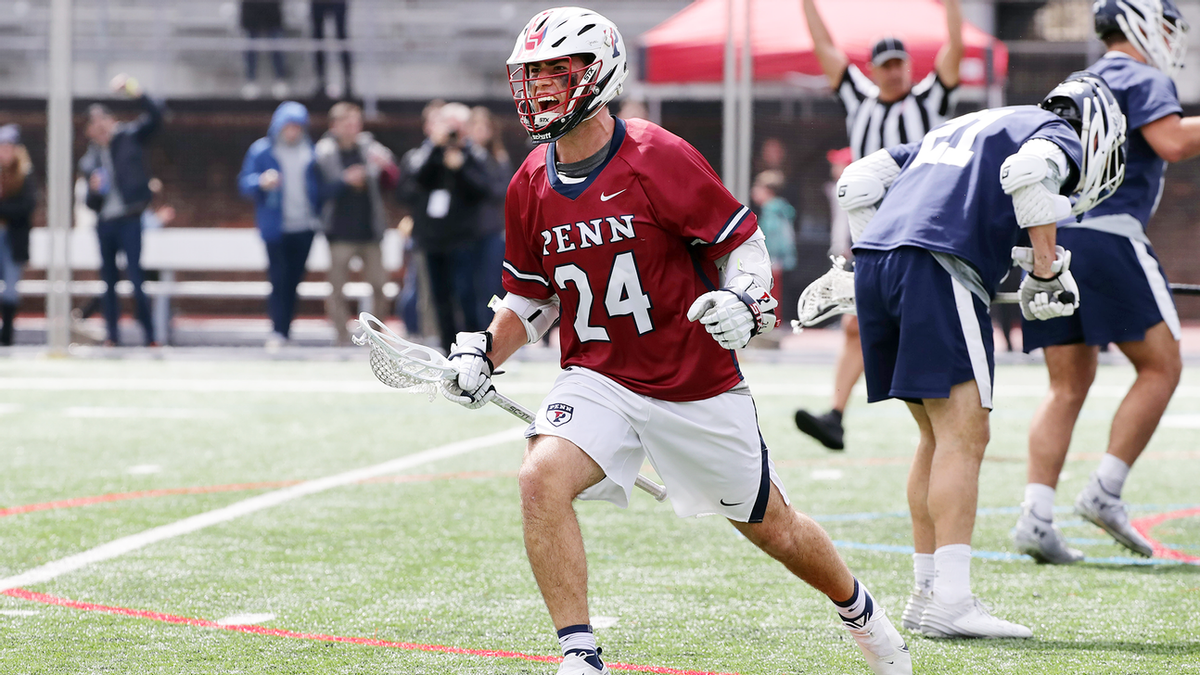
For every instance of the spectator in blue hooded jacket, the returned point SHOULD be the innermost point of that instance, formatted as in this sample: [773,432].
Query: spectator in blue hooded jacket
[281,175]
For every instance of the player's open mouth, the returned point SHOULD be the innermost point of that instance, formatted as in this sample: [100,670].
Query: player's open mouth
[546,102]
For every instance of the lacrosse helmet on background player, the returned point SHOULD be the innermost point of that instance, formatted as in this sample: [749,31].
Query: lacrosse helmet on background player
[1088,105]
[1155,28]
[559,34]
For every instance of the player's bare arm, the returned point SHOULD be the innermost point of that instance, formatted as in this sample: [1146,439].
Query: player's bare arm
[833,60]
[1174,138]
[950,55]
[508,335]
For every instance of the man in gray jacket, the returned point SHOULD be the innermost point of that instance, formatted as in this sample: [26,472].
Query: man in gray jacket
[356,170]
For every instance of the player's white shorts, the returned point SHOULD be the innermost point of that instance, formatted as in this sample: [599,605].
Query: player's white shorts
[709,453]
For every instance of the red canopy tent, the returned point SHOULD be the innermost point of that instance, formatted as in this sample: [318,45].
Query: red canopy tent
[690,46]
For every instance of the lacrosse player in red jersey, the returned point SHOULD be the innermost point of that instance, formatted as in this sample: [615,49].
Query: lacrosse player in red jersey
[658,274]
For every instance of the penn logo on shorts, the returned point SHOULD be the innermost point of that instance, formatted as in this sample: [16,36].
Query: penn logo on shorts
[559,413]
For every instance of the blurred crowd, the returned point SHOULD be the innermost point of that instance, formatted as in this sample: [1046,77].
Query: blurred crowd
[338,183]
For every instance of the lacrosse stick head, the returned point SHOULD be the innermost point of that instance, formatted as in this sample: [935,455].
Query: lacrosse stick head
[831,294]
[400,364]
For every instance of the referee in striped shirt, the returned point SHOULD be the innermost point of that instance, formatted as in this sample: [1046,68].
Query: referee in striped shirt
[883,109]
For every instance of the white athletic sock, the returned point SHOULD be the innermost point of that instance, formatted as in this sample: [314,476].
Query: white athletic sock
[1112,474]
[952,569]
[1040,498]
[923,571]
[577,638]
[859,607]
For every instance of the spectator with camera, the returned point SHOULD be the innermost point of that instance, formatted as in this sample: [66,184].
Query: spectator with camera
[281,176]
[445,182]
[118,191]
[356,169]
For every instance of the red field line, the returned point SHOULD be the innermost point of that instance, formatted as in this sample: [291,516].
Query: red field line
[122,496]
[234,487]
[368,642]
[1144,525]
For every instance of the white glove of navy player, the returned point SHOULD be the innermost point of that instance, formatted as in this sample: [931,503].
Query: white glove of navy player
[736,313]
[1051,298]
[473,386]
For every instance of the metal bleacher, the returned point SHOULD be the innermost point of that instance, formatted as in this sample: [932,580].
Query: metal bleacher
[405,49]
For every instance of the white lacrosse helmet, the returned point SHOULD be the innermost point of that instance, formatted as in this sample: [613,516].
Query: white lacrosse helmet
[559,34]
[1154,27]
[1085,101]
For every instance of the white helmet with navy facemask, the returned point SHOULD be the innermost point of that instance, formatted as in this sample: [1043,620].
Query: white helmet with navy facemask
[1155,28]
[555,35]
[1085,101]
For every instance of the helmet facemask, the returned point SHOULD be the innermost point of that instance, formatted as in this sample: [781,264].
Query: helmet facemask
[1161,38]
[1103,140]
[549,112]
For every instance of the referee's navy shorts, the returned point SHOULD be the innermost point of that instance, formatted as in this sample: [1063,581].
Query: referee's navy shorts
[1123,292]
[922,331]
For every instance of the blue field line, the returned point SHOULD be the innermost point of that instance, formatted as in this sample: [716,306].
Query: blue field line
[1005,556]
[992,511]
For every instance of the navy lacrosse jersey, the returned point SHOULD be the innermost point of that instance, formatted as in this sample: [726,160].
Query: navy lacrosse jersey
[1145,95]
[627,251]
[948,197]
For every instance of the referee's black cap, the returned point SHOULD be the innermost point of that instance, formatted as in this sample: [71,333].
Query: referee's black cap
[886,49]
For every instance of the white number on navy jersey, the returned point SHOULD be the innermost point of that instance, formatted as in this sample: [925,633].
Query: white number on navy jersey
[624,297]
[936,150]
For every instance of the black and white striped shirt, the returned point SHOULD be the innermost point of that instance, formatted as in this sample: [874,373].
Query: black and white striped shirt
[873,124]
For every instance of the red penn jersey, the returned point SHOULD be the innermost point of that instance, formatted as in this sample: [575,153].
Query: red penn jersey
[627,251]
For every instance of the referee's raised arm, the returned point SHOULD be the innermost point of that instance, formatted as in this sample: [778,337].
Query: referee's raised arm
[950,55]
[833,60]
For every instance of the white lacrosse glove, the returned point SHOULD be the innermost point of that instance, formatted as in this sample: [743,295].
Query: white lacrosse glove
[736,313]
[1050,298]
[473,387]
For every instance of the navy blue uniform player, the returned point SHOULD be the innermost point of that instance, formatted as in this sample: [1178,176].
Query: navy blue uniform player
[1127,300]
[929,261]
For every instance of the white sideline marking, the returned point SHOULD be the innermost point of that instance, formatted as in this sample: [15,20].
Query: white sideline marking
[18,612]
[244,619]
[605,621]
[100,412]
[133,542]
[143,469]
[827,474]
[9,408]
[1180,421]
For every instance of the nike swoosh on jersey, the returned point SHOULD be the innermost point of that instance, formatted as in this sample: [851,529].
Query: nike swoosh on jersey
[604,197]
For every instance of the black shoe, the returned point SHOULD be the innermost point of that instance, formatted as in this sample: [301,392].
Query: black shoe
[827,428]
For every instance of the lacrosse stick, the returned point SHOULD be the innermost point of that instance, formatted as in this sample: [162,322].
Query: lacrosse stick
[831,294]
[418,369]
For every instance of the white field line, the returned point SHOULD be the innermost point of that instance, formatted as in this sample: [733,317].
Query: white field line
[370,386]
[267,500]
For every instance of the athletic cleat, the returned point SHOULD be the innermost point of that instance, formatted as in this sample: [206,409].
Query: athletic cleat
[827,428]
[885,651]
[967,619]
[911,618]
[1043,541]
[1108,512]
[574,664]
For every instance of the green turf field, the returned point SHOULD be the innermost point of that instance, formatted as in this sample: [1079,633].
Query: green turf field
[432,555]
